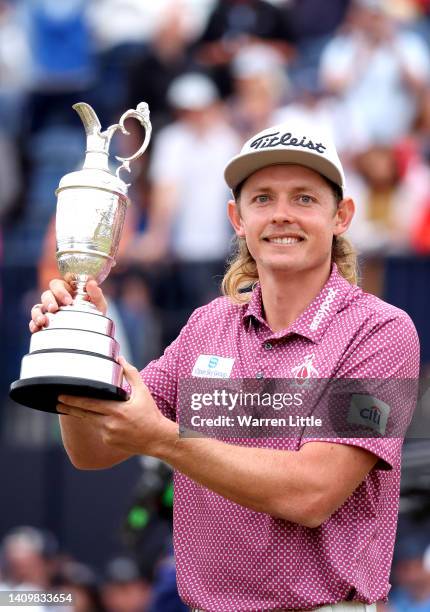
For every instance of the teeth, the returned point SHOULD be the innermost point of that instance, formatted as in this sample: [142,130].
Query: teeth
[287,240]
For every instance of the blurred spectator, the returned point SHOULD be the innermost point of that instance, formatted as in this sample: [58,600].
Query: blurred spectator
[123,589]
[165,596]
[235,23]
[15,66]
[166,57]
[62,57]
[311,23]
[10,176]
[412,576]
[417,147]
[139,319]
[310,103]
[14,78]
[79,580]
[28,558]
[378,70]
[310,20]
[260,85]
[187,220]
[390,198]
[114,23]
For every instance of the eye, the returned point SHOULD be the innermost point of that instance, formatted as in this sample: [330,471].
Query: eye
[306,199]
[262,198]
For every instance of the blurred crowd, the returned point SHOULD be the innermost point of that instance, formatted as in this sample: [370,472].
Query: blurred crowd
[213,72]
[31,561]
[212,77]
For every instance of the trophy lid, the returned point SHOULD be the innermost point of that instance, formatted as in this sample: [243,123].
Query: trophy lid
[95,178]
[95,172]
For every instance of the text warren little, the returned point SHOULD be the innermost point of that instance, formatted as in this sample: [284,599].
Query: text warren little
[250,421]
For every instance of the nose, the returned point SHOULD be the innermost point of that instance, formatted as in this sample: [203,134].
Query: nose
[283,211]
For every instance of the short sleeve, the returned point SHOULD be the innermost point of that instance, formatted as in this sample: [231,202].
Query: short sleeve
[386,361]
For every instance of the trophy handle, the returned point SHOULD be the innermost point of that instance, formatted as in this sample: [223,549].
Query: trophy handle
[141,113]
[98,142]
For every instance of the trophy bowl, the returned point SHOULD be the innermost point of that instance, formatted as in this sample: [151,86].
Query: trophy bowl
[77,354]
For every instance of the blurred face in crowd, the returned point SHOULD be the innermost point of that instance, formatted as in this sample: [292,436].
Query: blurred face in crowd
[288,215]
[201,119]
[379,167]
[412,575]
[257,98]
[25,565]
[130,596]
[374,23]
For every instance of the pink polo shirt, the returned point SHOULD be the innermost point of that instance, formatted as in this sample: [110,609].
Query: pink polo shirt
[232,559]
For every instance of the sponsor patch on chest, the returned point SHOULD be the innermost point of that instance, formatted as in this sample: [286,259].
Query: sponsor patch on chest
[213,366]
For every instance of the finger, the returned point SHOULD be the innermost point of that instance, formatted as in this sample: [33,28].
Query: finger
[77,412]
[49,302]
[130,372]
[88,404]
[33,327]
[60,292]
[96,296]
[38,317]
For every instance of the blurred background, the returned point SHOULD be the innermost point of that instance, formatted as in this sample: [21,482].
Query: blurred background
[213,72]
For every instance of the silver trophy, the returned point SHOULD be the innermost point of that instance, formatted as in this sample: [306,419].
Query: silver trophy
[77,353]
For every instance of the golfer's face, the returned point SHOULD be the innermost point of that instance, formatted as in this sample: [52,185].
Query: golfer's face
[288,217]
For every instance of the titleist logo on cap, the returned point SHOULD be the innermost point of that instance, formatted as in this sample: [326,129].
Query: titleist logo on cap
[287,140]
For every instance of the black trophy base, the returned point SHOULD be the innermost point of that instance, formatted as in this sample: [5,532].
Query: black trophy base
[41,392]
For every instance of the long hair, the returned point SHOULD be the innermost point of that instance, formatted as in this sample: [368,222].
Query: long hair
[242,274]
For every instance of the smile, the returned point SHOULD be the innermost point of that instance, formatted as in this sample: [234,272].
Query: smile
[284,240]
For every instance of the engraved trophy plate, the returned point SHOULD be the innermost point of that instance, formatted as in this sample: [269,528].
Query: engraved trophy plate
[77,353]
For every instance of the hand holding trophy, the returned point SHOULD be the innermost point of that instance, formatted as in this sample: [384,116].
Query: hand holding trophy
[77,353]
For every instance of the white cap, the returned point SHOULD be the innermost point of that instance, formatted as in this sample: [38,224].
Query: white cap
[192,91]
[299,143]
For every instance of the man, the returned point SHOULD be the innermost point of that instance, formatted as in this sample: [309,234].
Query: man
[277,523]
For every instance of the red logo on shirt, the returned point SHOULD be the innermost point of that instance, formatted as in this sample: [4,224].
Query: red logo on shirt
[305,370]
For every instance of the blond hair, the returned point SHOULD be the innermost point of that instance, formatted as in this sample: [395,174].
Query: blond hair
[242,271]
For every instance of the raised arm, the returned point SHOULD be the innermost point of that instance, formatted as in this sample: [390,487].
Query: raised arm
[304,486]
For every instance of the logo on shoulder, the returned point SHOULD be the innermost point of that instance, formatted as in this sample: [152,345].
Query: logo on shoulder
[368,411]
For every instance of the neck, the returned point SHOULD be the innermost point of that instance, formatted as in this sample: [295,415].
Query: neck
[286,296]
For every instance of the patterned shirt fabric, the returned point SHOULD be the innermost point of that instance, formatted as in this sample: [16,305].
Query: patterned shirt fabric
[232,559]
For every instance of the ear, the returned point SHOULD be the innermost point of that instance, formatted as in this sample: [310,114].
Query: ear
[344,215]
[235,218]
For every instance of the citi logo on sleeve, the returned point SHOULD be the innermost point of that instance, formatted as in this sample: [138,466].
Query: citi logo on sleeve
[324,309]
[368,411]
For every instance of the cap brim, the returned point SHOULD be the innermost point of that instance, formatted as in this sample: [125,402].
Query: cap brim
[242,166]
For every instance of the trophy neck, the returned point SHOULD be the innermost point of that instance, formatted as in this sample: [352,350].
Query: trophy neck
[81,299]
[96,160]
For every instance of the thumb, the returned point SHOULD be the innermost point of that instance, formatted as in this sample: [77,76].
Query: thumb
[96,296]
[130,372]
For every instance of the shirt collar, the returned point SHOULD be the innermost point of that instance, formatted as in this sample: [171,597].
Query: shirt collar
[313,322]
